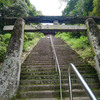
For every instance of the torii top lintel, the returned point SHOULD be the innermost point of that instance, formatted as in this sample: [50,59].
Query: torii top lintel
[51,19]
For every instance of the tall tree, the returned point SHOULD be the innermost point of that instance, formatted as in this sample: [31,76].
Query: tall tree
[16,8]
[96,8]
[19,9]
[78,8]
[70,6]
[32,9]
[88,7]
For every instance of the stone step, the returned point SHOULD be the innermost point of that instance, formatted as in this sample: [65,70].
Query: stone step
[36,55]
[52,68]
[80,98]
[48,63]
[39,99]
[39,73]
[37,69]
[54,87]
[39,63]
[23,77]
[42,87]
[61,66]
[74,98]
[46,94]
[54,81]
[41,59]
[53,72]
[76,64]
[39,79]
[52,94]
[37,66]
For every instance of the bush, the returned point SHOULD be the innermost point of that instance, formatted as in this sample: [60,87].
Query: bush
[1,37]
[30,36]
[80,44]
[2,53]
[77,43]
[4,40]
[29,39]
[7,38]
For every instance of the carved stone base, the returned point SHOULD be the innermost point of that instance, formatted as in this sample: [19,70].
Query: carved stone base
[9,77]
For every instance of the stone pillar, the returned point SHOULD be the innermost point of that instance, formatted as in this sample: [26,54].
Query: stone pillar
[94,38]
[10,72]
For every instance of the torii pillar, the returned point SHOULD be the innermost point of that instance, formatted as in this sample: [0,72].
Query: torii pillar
[10,72]
[94,38]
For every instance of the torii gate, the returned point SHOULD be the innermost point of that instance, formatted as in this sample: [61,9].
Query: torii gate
[10,72]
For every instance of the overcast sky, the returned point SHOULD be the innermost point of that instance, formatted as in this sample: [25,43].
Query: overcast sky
[49,7]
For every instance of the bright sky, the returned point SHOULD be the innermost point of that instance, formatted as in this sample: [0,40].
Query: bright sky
[49,7]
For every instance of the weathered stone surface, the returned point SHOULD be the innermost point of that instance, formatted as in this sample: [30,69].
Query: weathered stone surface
[94,38]
[53,28]
[16,41]
[51,19]
[10,72]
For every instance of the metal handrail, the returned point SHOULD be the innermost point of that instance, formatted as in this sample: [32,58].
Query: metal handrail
[58,67]
[85,85]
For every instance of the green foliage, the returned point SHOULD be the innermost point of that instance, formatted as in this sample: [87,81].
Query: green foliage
[29,40]
[39,12]
[19,9]
[87,54]
[76,43]
[32,9]
[2,53]
[6,2]
[88,7]
[70,6]
[78,11]
[78,8]
[4,40]
[30,36]
[7,38]
[16,8]
[80,44]
[96,9]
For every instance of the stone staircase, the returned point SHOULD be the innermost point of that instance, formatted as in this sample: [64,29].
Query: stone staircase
[39,79]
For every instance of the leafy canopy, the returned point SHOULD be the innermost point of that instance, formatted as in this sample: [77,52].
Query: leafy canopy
[16,8]
[82,8]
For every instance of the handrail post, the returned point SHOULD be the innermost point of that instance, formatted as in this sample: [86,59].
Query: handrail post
[53,49]
[58,67]
[85,85]
[70,83]
[10,72]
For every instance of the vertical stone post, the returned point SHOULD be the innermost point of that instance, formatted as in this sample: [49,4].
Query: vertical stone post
[10,72]
[94,38]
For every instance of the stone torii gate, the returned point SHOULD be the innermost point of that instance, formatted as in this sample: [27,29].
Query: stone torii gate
[10,72]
